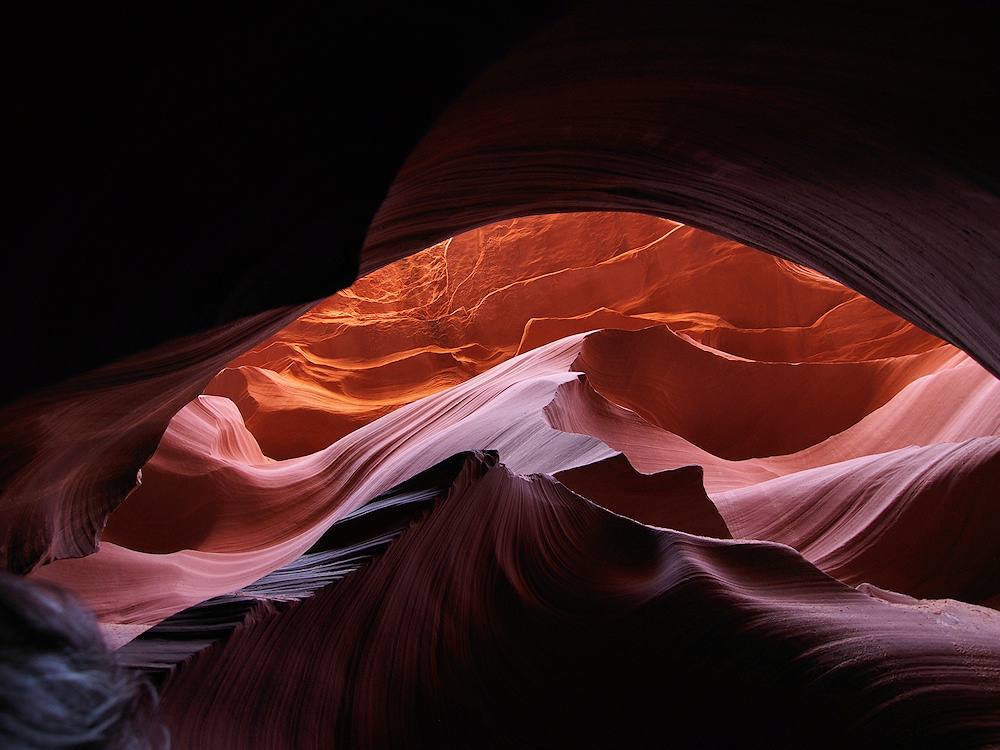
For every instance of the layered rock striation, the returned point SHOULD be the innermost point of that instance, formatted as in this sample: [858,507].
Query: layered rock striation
[673,460]
[618,479]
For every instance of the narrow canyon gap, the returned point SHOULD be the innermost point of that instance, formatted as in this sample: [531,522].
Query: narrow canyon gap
[561,470]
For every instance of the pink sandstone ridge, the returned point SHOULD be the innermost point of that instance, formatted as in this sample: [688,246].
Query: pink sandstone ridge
[663,409]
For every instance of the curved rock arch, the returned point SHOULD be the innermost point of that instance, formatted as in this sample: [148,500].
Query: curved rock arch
[853,138]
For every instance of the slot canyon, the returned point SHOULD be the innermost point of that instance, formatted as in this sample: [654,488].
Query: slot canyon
[635,387]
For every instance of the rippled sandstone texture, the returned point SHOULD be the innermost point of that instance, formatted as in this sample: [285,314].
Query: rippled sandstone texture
[640,367]
[462,306]
[72,453]
[859,142]
[520,615]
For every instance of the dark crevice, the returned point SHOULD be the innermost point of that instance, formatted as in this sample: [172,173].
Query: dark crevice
[347,546]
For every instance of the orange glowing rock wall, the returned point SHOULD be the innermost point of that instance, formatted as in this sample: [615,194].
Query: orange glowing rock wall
[453,311]
[690,491]
[659,372]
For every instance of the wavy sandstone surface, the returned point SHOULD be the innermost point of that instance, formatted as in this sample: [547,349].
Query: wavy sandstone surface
[517,614]
[539,478]
[71,454]
[623,470]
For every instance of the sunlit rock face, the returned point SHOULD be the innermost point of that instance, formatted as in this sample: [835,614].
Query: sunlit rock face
[517,614]
[69,455]
[643,416]
[453,311]
[594,480]
[832,134]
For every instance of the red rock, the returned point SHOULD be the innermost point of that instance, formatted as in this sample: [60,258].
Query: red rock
[519,615]
[672,499]
[70,455]
[461,307]
[914,520]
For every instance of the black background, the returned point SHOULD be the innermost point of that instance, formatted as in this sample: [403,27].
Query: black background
[173,166]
